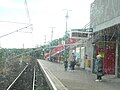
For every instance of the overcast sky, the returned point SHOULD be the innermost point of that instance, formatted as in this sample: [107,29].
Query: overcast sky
[43,15]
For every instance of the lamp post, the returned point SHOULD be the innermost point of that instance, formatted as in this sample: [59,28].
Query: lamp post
[65,58]
[51,42]
[49,50]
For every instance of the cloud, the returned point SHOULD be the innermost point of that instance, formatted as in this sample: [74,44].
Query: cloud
[43,14]
[11,4]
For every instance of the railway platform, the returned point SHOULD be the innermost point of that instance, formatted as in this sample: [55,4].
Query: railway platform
[76,80]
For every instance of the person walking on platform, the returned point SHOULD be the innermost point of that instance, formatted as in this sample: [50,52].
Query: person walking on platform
[99,68]
[65,65]
[72,64]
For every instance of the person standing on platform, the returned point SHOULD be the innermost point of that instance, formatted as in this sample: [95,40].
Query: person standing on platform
[65,65]
[73,62]
[99,68]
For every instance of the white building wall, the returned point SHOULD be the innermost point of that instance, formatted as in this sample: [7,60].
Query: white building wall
[104,13]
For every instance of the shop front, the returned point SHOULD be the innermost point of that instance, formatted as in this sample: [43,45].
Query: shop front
[107,51]
[107,43]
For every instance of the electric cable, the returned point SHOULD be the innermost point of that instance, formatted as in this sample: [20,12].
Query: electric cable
[13,22]
[15,31]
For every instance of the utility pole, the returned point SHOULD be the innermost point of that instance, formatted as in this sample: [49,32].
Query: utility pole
[52,33]
[65,58]
[45,40]
[51,42]
[66,17]
[21,60]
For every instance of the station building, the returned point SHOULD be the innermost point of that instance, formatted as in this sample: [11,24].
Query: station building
[105,22]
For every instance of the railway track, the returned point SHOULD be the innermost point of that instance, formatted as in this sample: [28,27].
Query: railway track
[30,78]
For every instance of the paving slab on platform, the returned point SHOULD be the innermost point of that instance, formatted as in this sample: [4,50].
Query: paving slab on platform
[78,79]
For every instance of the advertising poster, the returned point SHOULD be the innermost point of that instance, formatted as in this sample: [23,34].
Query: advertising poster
[78,54]
[82,57]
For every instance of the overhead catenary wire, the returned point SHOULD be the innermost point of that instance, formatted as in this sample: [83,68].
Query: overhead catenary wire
[29,24]
[15,31]
[13,22]
[29,18]
[27,12]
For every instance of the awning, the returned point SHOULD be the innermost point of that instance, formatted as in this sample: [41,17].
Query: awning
[61,47]
[47,55]
[72,40]
[57,49]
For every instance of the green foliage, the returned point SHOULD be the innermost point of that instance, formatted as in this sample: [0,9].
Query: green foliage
[3,53]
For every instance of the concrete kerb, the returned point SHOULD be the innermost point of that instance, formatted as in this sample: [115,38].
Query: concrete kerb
[55,84]
[48,79]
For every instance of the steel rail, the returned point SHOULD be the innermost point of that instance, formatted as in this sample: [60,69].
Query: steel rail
[10,86]
[34,79]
